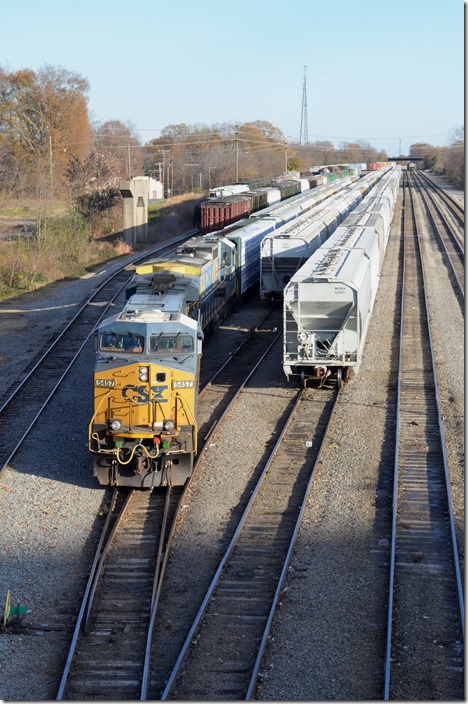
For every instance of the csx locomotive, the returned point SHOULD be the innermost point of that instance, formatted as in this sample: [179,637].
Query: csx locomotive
[143,432]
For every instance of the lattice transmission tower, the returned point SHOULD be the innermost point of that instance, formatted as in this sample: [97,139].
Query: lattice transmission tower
[304,135]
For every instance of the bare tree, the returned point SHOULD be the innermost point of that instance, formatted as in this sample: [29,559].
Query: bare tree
[122,146]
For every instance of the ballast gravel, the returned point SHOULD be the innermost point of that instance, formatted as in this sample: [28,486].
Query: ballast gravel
[327,638]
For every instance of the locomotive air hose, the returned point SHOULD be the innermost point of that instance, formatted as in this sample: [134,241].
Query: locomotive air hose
[151,457]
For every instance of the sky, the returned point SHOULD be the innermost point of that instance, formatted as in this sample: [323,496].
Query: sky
[389,73]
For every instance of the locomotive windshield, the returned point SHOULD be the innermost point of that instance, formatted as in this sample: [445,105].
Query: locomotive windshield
[121,342]
[170,344]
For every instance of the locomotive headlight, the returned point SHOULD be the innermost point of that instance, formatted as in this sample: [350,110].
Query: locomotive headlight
[302,336]
[168,426]
[115,424]
[143,374]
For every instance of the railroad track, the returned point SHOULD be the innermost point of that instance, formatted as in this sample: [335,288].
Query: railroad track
[426,611]
[30,393]
[452,204]
[222,653]
[107,656]
[110,653]
[218,392]
[447,236]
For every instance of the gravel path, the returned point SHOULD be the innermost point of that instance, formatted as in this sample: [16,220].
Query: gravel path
[327,640]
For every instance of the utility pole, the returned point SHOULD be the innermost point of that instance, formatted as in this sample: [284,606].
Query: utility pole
[192,165]
[304,136]
[172,175]
[51,170]
[237,153]
[129,167]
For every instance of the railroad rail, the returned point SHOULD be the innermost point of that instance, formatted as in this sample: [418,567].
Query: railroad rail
[446,234]
[107,654]
[227,382]
[425,611]
[238,608]
[31,392]
[451,203]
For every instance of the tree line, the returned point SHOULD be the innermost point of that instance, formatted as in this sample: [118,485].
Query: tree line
[51,150]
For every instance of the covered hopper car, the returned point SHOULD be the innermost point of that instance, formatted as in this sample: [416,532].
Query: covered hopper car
[328,302]
[289,246]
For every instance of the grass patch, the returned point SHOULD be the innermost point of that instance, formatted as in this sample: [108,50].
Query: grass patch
[65,248]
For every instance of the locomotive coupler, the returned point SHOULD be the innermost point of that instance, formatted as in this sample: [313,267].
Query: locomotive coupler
[142,464]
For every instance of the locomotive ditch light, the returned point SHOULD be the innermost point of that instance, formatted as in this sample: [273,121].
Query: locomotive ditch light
[115,424]
[168,426]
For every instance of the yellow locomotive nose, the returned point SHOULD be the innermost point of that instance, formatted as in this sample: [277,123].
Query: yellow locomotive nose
[144,422]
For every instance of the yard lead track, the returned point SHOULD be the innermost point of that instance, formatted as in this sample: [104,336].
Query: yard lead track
[107,658]
[446,234]
[453,206]
[222,653]
[32,390]
[426,610]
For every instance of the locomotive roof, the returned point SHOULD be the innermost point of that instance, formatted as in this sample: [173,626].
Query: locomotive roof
[172,302]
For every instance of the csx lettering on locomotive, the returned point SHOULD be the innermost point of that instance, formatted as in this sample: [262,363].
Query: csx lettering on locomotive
[140,393]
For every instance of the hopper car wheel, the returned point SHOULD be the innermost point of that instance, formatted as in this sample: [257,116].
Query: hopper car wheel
[339,378]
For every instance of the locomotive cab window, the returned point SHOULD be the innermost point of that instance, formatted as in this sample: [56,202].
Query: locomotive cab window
[121,342]
[171,344]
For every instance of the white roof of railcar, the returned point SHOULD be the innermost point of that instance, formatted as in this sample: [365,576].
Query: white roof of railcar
[327,261]
[346,266]
[252,229]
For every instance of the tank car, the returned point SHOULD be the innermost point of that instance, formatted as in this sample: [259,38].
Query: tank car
[328,302]
[143,432]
